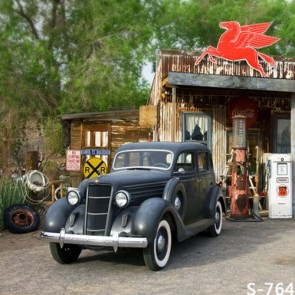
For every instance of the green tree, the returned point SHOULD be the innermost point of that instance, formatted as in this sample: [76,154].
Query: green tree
[62,55]
[110,40]
[196,23]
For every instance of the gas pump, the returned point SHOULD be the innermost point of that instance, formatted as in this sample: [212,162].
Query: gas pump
[279,193]
[240,187]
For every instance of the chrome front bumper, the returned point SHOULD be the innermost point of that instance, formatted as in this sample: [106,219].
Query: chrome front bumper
[87,240]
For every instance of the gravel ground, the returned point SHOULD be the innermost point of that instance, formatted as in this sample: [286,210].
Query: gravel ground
[245,259]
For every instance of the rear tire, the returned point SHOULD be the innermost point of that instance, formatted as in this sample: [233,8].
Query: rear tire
[157,253]
[65,255]
[216,228]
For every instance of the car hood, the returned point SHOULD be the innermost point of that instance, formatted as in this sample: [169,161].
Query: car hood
[133,177]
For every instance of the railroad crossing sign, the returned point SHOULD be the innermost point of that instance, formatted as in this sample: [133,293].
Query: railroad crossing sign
[94,167]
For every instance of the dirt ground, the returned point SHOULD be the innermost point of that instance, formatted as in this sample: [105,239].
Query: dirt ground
[11,242]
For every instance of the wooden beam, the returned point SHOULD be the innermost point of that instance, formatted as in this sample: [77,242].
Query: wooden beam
[103,116]
[231,82]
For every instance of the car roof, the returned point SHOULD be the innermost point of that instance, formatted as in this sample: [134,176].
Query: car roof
[163,145]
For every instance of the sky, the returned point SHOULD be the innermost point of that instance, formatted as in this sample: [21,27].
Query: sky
[148,73]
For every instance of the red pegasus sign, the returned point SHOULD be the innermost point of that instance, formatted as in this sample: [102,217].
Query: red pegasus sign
[239,43]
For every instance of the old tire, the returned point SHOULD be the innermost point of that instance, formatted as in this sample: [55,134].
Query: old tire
[21,219]
[216,228]
[157,253]
[65,255]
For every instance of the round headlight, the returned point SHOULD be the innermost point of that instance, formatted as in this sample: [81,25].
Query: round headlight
[73,197]
[122,199]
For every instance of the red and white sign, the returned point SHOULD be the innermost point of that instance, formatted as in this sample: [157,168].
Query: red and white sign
[240,43]
[73,160]
[282,191]
[243,106]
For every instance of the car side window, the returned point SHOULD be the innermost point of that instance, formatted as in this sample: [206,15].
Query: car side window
[184,162]
[203,162]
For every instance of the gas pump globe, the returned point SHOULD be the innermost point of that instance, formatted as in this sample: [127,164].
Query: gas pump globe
[240,187]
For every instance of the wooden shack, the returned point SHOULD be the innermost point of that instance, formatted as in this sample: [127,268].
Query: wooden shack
[99,134]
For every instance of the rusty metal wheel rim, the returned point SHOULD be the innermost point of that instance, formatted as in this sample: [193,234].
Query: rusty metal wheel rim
[22,218]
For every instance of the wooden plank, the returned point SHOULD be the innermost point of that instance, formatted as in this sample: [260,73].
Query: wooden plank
[232,82]
[127,115]
[75,136]
[219,140]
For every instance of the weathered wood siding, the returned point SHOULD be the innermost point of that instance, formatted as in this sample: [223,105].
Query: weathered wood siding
[219,139]
[167,131]
[125,133]
[76,134]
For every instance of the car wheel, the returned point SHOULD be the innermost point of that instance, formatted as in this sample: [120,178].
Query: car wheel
[21,219]
[66,254]
[157,253]
[216,228]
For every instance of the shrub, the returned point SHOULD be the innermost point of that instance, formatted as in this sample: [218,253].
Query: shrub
[10,194]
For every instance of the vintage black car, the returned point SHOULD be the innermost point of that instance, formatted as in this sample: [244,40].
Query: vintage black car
[156,192]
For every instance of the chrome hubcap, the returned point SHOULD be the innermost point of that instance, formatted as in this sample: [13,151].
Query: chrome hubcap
[161,243]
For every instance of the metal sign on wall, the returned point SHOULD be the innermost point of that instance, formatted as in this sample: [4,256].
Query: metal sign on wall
[73,160]
[243,106]
[94,152]
[240,43]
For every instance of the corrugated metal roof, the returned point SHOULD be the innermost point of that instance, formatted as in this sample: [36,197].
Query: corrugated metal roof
[184,62]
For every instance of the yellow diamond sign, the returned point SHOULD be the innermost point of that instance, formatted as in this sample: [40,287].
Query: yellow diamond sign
[94,167]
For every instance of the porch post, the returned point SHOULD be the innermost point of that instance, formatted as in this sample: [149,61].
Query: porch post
[293,149]
[173,115]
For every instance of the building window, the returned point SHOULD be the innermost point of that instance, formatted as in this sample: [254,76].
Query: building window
[282,139]
[197,126]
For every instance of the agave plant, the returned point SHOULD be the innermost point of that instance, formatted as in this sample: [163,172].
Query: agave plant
[10,193]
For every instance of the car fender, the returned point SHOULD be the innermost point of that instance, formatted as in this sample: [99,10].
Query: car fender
[76,220]
[215,195]
[57,215]
[148,216]
[173,188]
[122,225]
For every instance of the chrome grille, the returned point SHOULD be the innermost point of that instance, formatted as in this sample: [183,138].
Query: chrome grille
[97,207]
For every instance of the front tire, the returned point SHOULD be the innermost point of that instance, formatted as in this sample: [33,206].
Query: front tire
[216,228]
[157,253]
[65,255]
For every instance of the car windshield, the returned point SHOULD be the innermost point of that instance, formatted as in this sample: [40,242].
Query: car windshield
[143,159]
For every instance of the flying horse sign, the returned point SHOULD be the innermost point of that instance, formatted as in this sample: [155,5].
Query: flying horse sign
[240,43]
